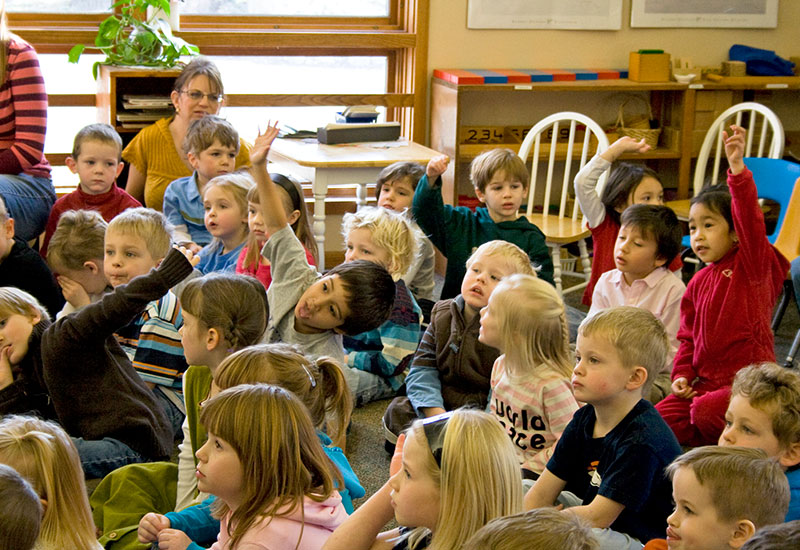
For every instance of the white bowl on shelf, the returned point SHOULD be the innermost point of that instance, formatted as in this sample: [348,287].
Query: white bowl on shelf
[685,78]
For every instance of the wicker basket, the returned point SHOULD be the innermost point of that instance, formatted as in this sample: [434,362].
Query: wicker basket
[640,127]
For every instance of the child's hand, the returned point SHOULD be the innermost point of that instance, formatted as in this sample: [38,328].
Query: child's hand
[6,376]
[172,539]
[260,150]
[190,255]
[73,292]
[194,247]
[734,148]
[681,388]
[150,526]
[397,458]
[436,167]
[624,145]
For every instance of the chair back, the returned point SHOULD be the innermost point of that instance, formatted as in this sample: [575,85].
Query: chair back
[775,180]
[788,239]
[762,122]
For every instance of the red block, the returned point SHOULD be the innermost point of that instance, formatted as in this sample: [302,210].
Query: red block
[606,74]
[458,76]
[560,74]
[514,77]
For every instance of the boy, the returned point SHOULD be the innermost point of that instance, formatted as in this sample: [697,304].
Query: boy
[211,146]
[136,242]
[395,191]
[22,267]
[451,368]
[722,496]
[779,536]
[20,511]
[500,179]
[649,238]
[76,255]
[542,529]
[97,159]
[378,358]
[764,413]
[307,308]
[612,455]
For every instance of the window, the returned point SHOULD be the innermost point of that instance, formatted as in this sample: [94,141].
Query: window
[291,8]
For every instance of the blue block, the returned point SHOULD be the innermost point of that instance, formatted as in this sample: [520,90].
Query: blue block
[490,77]
[583,74]
[537,76]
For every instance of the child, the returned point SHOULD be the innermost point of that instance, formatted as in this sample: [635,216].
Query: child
[211,146]
[612,455]
[377,359]
[75,255]
[531,395]
[250,261]
[542,529]
[778,536]
[649,238]
[306,308]
[727,309]
[458,471]
[764,413]
[722,496]
[97,159]
[22,267]
[395,191]
[628,184]
[20,511]
[136,242]
[44,455]
[275,487]
[451,368]
[500,179]
[225,204]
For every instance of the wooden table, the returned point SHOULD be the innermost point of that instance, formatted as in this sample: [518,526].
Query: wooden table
[347,163]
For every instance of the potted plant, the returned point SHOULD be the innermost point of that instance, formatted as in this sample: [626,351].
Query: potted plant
[131,38]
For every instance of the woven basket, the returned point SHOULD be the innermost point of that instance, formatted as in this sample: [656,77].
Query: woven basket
[638,127]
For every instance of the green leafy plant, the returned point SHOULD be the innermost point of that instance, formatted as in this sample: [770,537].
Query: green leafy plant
[127,38]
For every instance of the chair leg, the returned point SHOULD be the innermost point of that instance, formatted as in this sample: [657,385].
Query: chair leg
[585,261]
[792,351]
[786,297]
[556,253]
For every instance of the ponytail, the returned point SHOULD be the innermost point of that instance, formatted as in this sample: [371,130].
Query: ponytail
[336,397]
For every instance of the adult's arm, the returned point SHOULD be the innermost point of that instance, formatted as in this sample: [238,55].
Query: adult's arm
[135,184]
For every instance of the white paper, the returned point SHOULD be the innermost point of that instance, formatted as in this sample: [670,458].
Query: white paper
[545,14]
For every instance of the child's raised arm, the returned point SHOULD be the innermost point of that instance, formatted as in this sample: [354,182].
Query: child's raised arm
[624,145]
[436,167]
[734,148]
[268,195]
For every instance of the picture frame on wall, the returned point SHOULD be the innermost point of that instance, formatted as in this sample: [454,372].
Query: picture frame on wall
[545,14]
[748,14]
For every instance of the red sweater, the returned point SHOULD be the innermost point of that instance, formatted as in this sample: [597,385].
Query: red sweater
[108,204]
[726,310]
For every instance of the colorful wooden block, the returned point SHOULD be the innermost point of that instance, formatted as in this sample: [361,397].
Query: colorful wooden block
[514,77]
[490,77]
[560,74]
[458,76]
[583,74]
[536,75]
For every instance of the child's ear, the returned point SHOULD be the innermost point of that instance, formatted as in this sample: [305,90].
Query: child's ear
[213,339]
[791,456]
[35,317]
[660,261]
[192,158]
[120,166]
[294,216]
[743,530]
[71,164]
[44,505]
[637,378]
[93,267]
[8,228]
[480,194]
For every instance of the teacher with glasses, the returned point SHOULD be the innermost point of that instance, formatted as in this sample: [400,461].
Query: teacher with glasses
[155,155]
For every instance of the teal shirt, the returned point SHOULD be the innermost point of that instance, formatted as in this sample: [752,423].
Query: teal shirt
[457,231]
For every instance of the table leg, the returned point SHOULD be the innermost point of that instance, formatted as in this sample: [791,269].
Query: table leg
[361,196]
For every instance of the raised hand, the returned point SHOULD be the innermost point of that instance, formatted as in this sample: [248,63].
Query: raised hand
[193,258]
[73,292]
[436,167]
[260,150]
[624,145]
[734,147]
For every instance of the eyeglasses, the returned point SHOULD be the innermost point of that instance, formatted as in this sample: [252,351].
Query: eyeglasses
[434,428]
[197,95]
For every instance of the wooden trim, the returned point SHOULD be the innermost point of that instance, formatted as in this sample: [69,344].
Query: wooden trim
[71,100]
[314,100]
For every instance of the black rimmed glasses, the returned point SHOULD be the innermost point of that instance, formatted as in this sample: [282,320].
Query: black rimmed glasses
[434,428]
[197,95]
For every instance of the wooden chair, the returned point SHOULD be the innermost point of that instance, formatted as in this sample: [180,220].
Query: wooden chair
[788,243]
[562,130]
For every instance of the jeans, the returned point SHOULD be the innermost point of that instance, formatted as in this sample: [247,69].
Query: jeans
[28,200]
[174,415]
[99,458]
[366,387]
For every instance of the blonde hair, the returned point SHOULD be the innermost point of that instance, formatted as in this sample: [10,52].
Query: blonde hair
[276,443]
[147,224]
[319,383]
[636,334]
[775,391]
[513,256]
[44,455]
[743,482]
[390,231]
[487,164]
[14,301]
[236,185]
[539,529]
[78,238]
[479,479]
[533,325]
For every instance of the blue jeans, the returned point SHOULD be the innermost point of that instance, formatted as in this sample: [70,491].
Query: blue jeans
[28,200]
[174,415]
[365,386]
[99,458]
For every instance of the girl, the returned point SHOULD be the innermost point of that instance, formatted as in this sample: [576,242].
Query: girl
[531,393]
[44,455]
[225,204]
[628,184]
[458,472]
[275,486]
[251,262]
[726,310]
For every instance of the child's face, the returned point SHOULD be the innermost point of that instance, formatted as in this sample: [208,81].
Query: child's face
[15,332]
[746,426]
[255,222]
[224,218]
[97,166]
[219,471]
[415,495]
[193,339]
[599,375]
[694,525]
[215,161]
[90,277]
[396,195]
[6,238]
[490,330]
[127,256]
[359,246]
[649,191]
[635,254]
[481,277]
[710,234]
[502,197]
[323,306]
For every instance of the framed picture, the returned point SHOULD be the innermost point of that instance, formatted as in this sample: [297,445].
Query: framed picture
[761,14]
[545,14]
